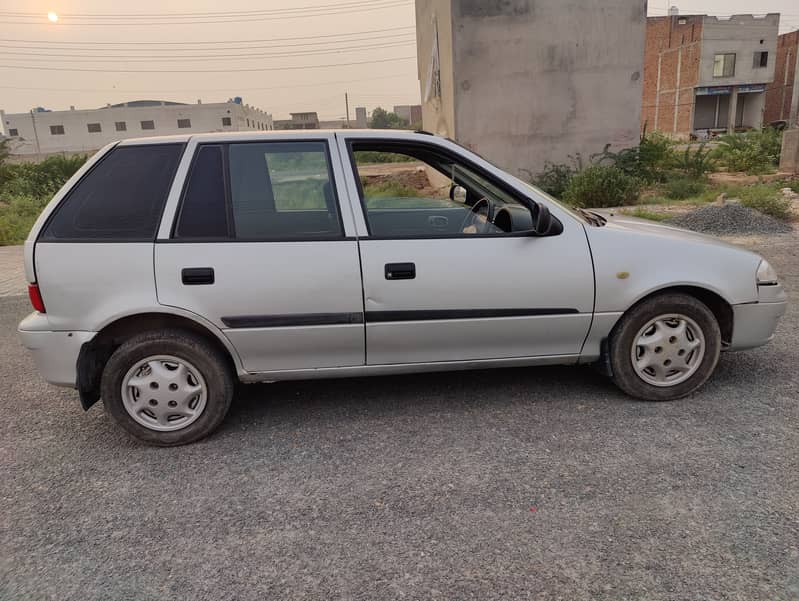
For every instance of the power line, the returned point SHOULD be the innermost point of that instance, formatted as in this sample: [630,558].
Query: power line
[210,42]
[371,6]
[199,13]
[248,70]
[218,51]
[213,57]
[93,51]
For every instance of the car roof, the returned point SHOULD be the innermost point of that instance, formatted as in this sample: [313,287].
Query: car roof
[302,134]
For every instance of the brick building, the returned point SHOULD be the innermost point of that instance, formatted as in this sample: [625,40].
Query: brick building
[782,95]
[704,73]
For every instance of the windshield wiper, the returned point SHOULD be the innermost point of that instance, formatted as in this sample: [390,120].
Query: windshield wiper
[592,218]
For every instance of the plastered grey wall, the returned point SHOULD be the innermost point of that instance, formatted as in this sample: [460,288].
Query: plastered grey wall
[741,35]
[540,80]
[438,111]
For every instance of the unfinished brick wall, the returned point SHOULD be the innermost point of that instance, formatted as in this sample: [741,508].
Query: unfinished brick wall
[780,91]
[671,72]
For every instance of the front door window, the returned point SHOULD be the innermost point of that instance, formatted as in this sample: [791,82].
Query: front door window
[416,192]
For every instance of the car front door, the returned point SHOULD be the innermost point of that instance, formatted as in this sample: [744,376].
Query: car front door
[259,248]
[441,282]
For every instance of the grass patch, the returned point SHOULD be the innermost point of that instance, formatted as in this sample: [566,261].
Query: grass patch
[642,213]
[683,187]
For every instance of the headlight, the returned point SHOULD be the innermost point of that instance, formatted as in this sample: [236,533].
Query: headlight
[766,276]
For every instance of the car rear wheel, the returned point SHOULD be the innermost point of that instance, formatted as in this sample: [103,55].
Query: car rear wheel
[167,388]
[665,348]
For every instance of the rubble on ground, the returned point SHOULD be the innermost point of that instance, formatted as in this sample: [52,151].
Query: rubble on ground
[730,218]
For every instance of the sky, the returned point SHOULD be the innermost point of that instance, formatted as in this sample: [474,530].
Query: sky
[280,55]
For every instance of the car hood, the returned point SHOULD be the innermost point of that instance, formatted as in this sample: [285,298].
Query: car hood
[634,225]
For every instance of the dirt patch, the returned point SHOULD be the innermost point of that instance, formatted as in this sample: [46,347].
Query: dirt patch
[723,177]
[412,178]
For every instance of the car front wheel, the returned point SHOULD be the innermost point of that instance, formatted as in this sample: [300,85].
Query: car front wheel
[665,348]
[167,388]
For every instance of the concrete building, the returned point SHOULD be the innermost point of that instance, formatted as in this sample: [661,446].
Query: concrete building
[523,82]
[42,132]
[782,95]
[305,120]
[361,120]
[412,113]
[705,73]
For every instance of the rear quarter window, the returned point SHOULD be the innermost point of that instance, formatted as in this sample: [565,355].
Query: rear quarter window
[120,199]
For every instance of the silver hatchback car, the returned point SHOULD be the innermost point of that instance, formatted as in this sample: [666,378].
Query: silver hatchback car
[168,268]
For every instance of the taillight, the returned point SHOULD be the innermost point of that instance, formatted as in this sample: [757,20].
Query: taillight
[36,297]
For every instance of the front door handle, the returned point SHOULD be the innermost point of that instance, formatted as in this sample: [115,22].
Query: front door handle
[400,271]
[197,276]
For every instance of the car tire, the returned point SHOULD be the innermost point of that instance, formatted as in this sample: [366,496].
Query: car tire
[665,347]
[177,387]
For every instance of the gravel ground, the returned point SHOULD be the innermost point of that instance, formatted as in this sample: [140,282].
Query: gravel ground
[730,219]
[514,484]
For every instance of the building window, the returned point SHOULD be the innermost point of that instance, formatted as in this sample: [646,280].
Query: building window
[94,128]
[13,132]
[148,124]
[121,126]
[760,60]
[724,65]
[226,122]
[248,123]
[56,130]
[184,123]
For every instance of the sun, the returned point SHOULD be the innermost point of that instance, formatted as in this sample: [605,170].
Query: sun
[52,17]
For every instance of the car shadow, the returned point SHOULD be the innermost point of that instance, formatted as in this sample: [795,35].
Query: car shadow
[419,393]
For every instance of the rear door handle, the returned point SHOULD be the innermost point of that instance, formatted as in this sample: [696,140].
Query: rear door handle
[197,276]
[400,271]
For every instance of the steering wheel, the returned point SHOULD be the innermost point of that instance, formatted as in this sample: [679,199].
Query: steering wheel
[482,208]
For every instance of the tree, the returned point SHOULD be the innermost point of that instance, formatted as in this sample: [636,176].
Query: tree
[382,119]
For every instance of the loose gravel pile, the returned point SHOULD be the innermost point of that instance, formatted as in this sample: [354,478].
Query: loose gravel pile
[730,219]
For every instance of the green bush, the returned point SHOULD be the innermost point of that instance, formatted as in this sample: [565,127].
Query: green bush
[647,162]
[364,157]
[602,186]
[695,162]
[774,206]
[681,188]
[753,152]
[765,198]
[40,179]
[25,188]
[555,178]
[17,215]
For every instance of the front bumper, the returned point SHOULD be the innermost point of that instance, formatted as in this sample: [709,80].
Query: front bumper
[55,353]
[754,323]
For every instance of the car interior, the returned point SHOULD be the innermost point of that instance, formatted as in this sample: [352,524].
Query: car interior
[460,200]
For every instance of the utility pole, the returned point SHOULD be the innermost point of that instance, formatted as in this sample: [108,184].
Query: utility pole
[35,135]
[347,106]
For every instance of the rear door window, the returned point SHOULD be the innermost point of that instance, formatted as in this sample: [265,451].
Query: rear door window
[269,192]
[120,199]
[282,190]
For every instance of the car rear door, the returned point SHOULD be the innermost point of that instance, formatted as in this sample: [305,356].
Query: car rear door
[435,293]
[258,244]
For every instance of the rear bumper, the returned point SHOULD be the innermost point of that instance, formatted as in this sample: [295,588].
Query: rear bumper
[55,353]
[754,324]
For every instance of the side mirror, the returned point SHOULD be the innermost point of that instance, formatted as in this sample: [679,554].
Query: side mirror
[542,220]
[457,193]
